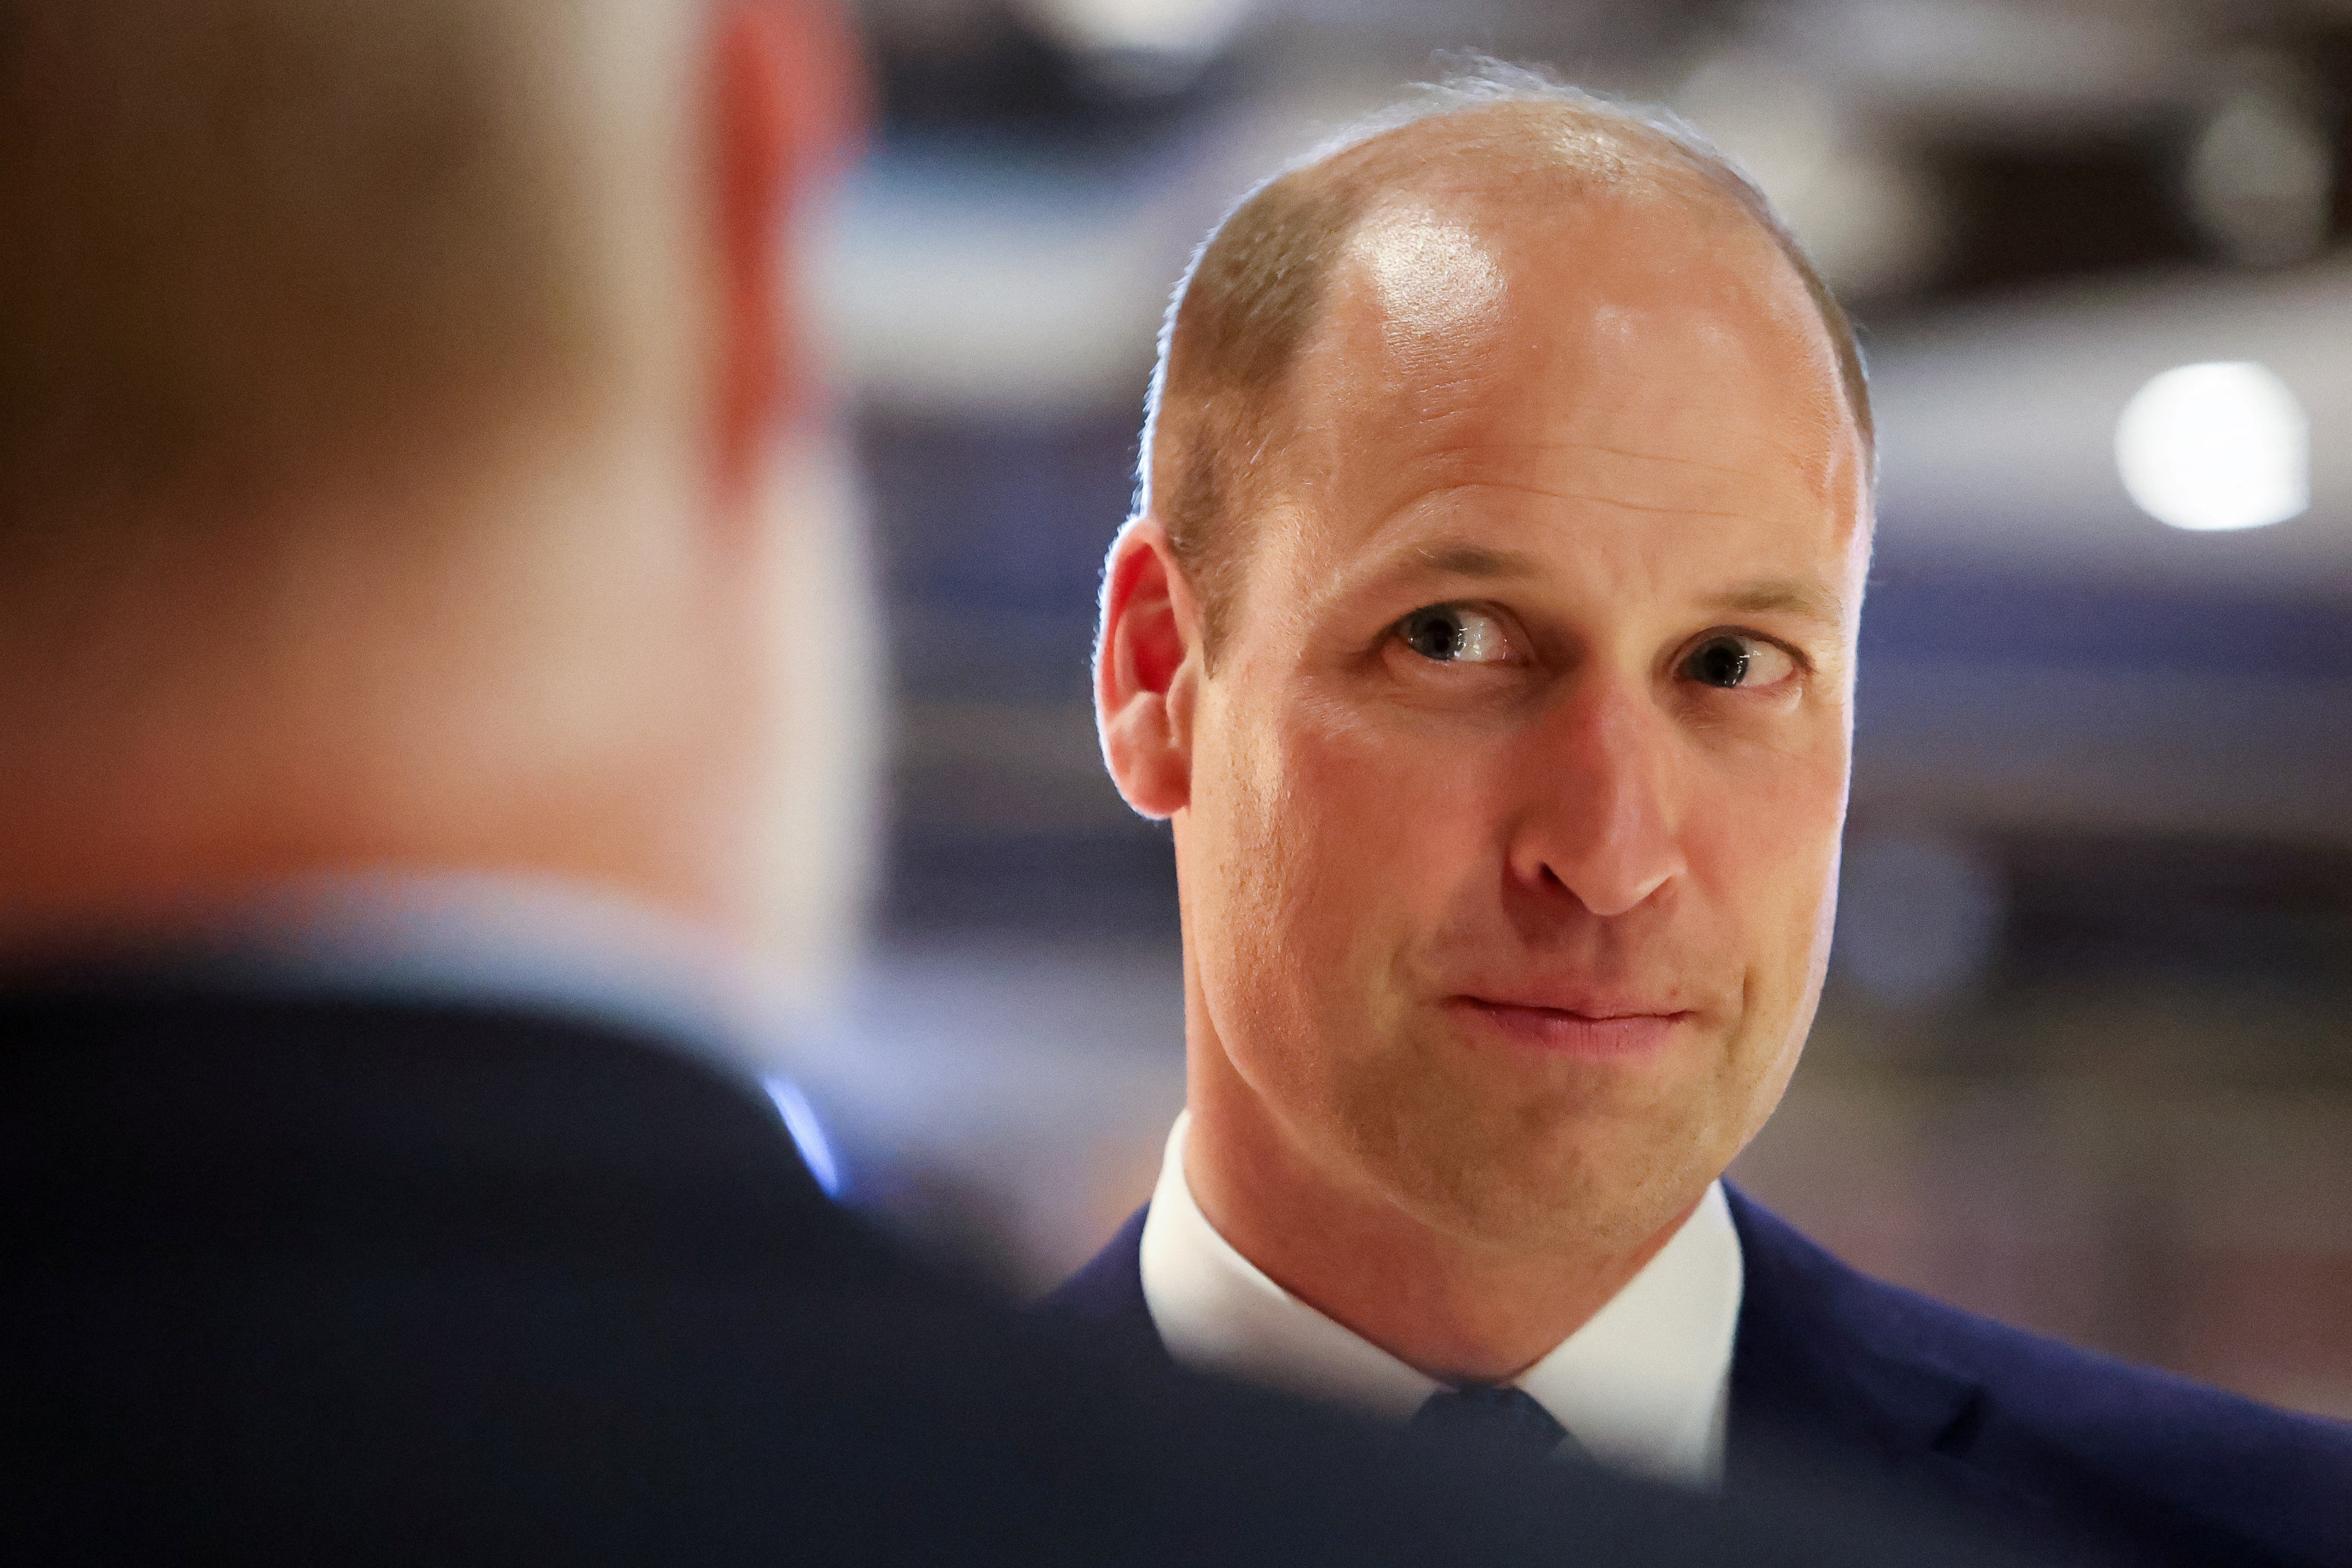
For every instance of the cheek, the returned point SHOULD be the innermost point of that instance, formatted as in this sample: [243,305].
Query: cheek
[1397,823]
[1320,882]
[1251,850]
[1762,837]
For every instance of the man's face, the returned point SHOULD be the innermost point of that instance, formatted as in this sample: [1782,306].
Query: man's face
[1511,845]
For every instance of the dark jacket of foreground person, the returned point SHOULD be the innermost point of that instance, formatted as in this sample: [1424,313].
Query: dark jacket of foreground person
[2059,1450]
[344,1281]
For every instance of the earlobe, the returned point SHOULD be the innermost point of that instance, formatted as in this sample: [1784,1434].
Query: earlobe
[1146,668]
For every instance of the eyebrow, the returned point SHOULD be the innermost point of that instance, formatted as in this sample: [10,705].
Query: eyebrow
[1474,560]
[1785,595]
[1775,595]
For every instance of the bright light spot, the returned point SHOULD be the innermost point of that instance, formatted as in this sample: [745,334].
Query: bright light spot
[1180,33]
[808,1133]
[2209,446]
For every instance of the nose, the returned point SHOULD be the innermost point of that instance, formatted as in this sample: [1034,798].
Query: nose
[1600,818]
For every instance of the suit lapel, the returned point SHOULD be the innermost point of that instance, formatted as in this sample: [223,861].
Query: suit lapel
[1823,1377]
[1810,1365]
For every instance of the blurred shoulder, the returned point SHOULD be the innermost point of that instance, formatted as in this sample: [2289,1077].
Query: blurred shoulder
[1108,1286]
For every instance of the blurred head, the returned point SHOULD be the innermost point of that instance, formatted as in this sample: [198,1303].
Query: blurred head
[393,397]
[1487,634]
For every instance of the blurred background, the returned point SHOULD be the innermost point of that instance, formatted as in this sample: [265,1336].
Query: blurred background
[2083,1061]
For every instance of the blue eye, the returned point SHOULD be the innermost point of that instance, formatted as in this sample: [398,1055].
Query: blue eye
[1454,633]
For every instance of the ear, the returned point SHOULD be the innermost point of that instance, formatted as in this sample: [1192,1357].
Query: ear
[787,102]
[1147,671]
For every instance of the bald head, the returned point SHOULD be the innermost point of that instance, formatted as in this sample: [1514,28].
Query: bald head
[1498,154]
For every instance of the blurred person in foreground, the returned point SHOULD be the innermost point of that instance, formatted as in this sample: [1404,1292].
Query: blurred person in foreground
[1486,631]
[397,400]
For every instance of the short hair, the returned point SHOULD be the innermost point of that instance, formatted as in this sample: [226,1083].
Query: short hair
[251,243]
[1255,288]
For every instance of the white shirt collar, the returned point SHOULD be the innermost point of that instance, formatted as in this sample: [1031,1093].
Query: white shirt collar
[1645,1385]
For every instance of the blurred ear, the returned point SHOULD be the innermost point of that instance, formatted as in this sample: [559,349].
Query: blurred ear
[1147,671]
[787,103]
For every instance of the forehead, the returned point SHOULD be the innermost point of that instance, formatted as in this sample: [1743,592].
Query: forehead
[1640,359]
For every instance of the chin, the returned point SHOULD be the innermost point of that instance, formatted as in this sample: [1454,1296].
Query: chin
[1583,1183]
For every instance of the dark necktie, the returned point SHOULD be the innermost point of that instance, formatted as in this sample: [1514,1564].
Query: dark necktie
[1508,1416]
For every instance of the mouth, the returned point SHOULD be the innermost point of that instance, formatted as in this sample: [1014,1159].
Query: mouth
[1600,1031]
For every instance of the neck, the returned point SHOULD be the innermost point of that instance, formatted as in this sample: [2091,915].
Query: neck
[498,690]
[1458,1309]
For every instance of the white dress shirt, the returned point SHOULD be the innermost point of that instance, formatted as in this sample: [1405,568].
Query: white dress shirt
[1645,1385]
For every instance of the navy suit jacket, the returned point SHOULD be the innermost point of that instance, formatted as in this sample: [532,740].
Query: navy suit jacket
[2055,1446]
[299,1278]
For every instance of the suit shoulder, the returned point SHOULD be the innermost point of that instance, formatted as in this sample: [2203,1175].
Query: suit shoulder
[2039,1391]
